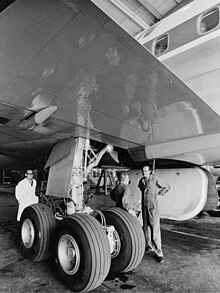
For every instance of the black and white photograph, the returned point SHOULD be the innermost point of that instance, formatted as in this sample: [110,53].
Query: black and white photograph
[109,146]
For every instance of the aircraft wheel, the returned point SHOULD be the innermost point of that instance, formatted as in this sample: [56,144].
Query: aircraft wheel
[82,253]
[36,229]
[129,240]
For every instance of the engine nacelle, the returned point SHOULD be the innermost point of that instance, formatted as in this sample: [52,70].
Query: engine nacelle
[192,190]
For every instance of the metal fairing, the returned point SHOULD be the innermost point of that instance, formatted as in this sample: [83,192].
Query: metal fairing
[67,70]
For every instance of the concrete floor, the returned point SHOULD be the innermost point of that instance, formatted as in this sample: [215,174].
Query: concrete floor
[191,249]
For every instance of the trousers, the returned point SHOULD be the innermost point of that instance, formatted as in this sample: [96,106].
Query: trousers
[151,225]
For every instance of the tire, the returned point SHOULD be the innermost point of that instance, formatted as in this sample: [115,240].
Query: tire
[36,229]
[82,253]
[131,245]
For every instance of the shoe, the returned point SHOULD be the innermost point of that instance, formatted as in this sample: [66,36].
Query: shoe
[160,259]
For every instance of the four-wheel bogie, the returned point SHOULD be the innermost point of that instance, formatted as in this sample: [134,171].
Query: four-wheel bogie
[84,249]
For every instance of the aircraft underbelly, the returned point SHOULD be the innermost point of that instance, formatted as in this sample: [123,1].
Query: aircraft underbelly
[68,70]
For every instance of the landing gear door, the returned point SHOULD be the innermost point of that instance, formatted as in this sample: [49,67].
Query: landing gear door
[61,164]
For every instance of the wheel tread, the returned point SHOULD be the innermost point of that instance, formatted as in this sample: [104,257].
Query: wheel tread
[136,237]
[100,257]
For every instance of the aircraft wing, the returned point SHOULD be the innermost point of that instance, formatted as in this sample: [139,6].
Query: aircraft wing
[66,69]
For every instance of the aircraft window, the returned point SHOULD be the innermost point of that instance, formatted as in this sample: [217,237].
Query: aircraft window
[209,21]
[161,45]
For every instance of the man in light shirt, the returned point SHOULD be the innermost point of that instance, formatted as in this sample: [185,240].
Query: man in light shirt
[25,192]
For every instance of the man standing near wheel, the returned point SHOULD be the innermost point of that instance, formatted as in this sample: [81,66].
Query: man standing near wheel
[151,187]
[25,192]
[121,194]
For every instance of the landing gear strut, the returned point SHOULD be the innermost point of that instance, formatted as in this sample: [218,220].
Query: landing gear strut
[84,249]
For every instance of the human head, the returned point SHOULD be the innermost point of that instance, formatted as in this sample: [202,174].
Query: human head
[123,178]
[29,173]
[146,171]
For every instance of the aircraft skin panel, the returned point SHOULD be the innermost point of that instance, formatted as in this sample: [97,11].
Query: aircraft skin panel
[202,77]
[28,34]
[197,150]
[93,79]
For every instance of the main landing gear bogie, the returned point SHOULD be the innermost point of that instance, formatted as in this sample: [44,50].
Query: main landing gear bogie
[84,250]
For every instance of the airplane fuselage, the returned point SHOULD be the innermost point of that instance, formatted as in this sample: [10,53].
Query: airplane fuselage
[191,48]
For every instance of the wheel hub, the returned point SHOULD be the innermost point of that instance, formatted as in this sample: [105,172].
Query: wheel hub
[27,233]
[114,241]
[68,254]
[71,253]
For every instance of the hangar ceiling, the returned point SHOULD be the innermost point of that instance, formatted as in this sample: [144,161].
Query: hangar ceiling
[134,16]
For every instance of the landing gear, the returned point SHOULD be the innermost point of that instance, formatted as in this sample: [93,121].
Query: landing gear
[36,229]
[84,249]
[128,240]
[82,254]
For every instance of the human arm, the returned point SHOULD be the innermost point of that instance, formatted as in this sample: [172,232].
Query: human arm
[19,191]
[141,185]
[128,201]
[163,186]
